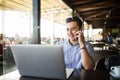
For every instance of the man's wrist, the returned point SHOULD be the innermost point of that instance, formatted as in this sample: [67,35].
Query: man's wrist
[82,48]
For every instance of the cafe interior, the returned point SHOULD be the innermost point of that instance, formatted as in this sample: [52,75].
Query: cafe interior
[43,22]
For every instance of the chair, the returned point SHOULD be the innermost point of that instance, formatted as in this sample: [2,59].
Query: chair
[100,64]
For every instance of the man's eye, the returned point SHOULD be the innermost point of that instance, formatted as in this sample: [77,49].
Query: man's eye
[67,29]
[72,28]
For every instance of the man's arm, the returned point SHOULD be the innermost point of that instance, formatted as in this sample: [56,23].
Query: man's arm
[87,61]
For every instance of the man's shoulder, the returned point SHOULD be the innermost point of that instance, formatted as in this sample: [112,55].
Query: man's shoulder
[88,44]
[63,42]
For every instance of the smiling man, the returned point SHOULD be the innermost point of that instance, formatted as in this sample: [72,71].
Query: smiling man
[76,50]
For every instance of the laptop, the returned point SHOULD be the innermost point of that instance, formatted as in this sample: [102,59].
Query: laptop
[44,61]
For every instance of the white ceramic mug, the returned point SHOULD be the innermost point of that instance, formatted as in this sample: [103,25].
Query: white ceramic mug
[115,72]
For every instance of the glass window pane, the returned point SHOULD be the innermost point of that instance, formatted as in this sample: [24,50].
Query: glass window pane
[53,18]
[17,28]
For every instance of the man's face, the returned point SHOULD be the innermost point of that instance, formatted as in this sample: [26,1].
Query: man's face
[72,28]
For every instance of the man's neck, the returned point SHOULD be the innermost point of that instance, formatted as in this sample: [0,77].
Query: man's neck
[73,42]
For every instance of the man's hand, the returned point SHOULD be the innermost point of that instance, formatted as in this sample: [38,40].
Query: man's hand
[80,37]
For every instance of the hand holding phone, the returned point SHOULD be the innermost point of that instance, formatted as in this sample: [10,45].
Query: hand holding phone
[79,36]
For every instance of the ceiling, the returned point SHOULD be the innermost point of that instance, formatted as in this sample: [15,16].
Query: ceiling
[57,7]
[19,5]
[99,13]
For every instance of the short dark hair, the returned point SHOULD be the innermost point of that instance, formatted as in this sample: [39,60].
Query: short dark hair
[76,19]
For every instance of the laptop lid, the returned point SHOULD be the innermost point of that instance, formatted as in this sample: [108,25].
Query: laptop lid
[46,61]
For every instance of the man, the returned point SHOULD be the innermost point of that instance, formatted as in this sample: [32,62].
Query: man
[76,50]
[109,38]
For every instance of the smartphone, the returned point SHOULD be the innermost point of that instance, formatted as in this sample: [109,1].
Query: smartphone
[76,37]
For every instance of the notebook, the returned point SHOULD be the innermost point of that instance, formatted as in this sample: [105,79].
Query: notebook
[44,61]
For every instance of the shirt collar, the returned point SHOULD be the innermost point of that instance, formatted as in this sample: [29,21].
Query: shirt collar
[70,43]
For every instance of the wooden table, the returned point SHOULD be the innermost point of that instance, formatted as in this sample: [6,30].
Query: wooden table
[77,75]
